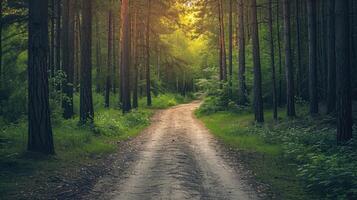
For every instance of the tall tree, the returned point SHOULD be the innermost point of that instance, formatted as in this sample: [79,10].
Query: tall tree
[242,91]
[108,81]
[222,43]
[58,34]
[230,48]
[148,75]
[68,57]
[290,97]
[272,57]
[136,60]
[258,100]
[311,12]
[1,43]
[98,52]
[331,91]
[53,40]
[343,62]
[280,100]
[39,122]
[77,46]
[125,56]
[299,50]
[86,99]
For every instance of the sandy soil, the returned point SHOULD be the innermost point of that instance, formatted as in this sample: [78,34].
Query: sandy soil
[175,158]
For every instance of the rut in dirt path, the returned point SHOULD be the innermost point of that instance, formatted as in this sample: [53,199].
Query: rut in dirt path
[175,158]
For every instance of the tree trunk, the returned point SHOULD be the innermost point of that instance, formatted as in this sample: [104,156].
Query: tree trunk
[280,100]
[39,127]
[110,59]
[1,71]
[77,47]
[222,42]
[68,57]
[98,51]
[125,60]
[290,97]
[53,39]
[115,57]
[331,96]
[230,53]
[58,36]
[242,92]
[272,59]
[86,99]
[299,54]
[311,12]
[148,75]
[136,57]
[343,84]
[323,47]
[258,100]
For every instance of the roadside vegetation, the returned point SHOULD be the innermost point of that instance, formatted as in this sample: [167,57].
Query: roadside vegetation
[297,158]
[76,146]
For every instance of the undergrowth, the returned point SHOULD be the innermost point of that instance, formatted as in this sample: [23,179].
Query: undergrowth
[297,157]
[75,145]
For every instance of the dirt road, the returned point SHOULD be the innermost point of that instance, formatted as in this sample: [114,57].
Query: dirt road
[175,158]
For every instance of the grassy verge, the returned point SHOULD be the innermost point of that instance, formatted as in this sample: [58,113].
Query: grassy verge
[23,173]
[298,158]
[264,158]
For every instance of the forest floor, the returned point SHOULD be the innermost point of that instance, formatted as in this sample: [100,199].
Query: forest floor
[176,158]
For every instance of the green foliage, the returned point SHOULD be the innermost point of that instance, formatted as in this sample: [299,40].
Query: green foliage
[113,123]
[306,145]
[75,145]
[163,101]
[218,98]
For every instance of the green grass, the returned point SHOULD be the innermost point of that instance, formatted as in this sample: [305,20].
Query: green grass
[265,157]
[163,101]
[75,145]
[234,129]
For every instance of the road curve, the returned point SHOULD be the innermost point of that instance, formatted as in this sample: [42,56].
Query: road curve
[175,158]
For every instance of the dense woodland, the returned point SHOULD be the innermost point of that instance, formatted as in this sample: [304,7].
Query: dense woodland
[66,60]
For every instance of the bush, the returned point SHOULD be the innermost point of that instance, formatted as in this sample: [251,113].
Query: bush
[327,169]
[163,101]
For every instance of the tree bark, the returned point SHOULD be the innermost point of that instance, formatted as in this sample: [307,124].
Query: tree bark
[53,38]
[1,71]
[39,127]
[343,84]
[98,51]
[331,96]
[258,100]
[58,35]
[136,62]
[299,54]
[148,75]
[110,59]
[230,48]
[222,43]
[290,97]
[311,12]
[77,47]
[68,57]
[242,92]
[115,57]
[86,99]
[272,59]
[125,60]
[280,100]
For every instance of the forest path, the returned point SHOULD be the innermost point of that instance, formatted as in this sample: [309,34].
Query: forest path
[175,158]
